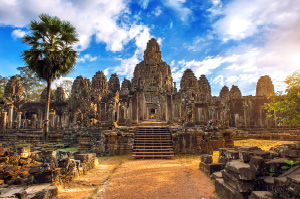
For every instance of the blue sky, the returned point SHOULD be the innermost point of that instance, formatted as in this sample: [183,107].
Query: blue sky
[232,42]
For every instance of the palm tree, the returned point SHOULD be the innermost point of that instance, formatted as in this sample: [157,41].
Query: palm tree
[51,54]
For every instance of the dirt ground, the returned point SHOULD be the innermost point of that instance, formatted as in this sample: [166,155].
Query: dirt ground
[124,177]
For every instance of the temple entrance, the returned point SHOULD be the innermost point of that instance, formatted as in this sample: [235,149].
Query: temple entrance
[152,113]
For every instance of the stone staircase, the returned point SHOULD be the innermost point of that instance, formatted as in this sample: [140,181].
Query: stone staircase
[153,142]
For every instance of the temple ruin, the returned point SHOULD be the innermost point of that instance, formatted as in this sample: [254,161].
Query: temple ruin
[100,106]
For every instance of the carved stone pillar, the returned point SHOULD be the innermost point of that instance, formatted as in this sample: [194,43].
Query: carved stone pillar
[40,119]
[19,120]
[4,118]
[10,116]
[52,118]
[34,121]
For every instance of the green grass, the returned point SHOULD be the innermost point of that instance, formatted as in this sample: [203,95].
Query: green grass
[71,149]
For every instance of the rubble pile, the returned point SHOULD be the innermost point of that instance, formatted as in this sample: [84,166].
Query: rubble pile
[250,172]
[19,167]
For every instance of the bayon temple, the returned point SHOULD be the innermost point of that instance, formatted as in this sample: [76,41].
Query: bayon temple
[151,94]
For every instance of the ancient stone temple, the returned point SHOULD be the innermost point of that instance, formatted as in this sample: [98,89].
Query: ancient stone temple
[152,85]
[151,94]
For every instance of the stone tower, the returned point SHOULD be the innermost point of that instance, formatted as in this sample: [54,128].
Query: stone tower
[235,92]
[114,83]
[188,81]
[59,95]
[14,90]
[204,89]
[152,73]
[224,94]
[264,86]
[126,87]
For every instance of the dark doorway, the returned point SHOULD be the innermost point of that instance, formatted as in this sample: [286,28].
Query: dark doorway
[152,111]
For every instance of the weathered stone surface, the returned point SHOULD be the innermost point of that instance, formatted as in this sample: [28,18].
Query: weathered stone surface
[257,164]
[114,83]
[226,191]
[235,92]
[274,166]
[261,195]
[211,168]
[264,86]
[240,170]
[216,175]
[236,183]
[13,193]
[14,90]
[205,158]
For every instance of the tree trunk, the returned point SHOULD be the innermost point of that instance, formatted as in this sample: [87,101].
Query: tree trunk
[46,118]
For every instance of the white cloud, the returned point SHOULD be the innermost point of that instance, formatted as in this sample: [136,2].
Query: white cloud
[87,57]
[178,6]
[244,18]
[157,11]
[59,80]
[18,33]
[127,66]
[104,19]
[144,3]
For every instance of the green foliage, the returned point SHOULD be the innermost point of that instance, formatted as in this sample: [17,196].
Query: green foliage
[290,163]
[67,86]
[32,85]
[286,105]
[3,81]
[51,54]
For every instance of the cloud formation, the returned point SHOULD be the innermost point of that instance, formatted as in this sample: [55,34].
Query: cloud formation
[99,18]
[178,6]
[18,33]
[87,57]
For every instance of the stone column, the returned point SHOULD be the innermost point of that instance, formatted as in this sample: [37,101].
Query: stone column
[236,120]
[4,118]
[135,109]
[19,120]
[52,118]
[34,121]
[99,111]
[10,116]
[40,119]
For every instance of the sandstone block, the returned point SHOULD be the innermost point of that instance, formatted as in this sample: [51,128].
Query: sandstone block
[261,195]
[226,191]
[240,170]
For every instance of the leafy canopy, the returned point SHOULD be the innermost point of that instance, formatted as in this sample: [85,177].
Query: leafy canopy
[287,105]
[32,85]
[51,52]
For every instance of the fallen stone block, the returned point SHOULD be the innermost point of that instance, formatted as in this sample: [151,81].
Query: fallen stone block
[258,165]
[274,166]
[261,195]
[211,168]
[226,191]
[245,156]
[205,158]
[239,185]
[216,175]
[13,193]
[240,170]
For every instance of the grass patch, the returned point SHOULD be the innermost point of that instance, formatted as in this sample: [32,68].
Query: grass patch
[71,149]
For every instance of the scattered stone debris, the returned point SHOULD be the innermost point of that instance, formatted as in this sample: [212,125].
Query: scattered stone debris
[249,172]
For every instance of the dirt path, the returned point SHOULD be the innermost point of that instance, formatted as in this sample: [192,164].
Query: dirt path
[128,178]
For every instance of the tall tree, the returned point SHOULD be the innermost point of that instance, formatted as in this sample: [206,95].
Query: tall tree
[31,83]
[286,105]
[51,54]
